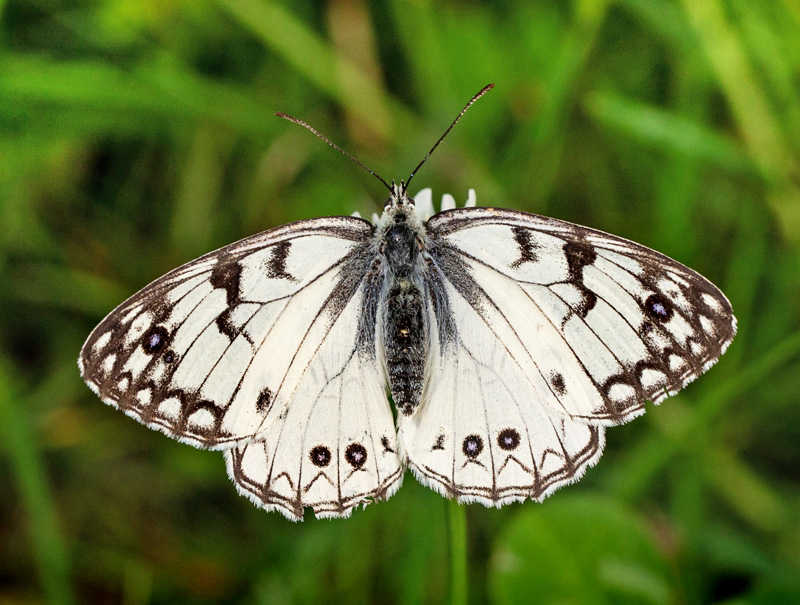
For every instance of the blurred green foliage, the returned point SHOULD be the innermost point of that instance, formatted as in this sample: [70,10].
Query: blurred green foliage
[137,134]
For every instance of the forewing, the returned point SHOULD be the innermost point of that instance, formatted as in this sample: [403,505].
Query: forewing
[595,324]
[333,449]
[213,352]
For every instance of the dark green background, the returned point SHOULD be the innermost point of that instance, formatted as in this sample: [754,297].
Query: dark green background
[137,134]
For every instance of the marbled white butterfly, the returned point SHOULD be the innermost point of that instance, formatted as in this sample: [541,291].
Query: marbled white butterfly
[509,342]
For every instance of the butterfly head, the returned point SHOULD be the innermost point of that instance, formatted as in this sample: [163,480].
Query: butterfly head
[399,207]
[399,231]
[398,199]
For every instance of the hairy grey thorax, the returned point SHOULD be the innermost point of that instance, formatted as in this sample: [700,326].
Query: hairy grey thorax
[401,240]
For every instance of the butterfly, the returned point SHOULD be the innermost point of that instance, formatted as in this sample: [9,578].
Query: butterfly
[508,342]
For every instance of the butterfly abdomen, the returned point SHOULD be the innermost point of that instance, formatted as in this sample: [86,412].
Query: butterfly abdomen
[406,344]
[404,325]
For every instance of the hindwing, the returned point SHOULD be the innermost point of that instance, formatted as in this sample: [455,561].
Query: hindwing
[331,450]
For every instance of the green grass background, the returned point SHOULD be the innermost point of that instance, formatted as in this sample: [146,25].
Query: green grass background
[138,134]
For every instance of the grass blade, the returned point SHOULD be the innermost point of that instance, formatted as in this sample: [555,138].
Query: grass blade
[20,446]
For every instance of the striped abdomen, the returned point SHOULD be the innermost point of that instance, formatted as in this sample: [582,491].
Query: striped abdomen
[406,344]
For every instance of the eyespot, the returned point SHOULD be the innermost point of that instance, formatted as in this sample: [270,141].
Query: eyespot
[154,340]
[508,439]
[320,456]
[658,307]
[472,446]
[356,455]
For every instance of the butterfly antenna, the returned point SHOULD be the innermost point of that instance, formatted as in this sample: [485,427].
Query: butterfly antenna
[482,92]
[332,144]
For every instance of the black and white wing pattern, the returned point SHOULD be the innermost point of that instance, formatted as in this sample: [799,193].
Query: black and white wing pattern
[332,449]
[264,343]
[213,351]
[544,333]
[516,340]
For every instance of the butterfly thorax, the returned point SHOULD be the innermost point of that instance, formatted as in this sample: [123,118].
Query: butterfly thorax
[400,236]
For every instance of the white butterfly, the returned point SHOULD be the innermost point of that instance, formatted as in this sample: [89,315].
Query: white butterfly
[509,341]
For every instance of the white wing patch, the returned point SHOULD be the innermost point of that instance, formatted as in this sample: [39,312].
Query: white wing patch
[333,449]
[483,432]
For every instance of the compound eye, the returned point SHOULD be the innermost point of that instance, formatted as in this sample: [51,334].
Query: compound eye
[387,203]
